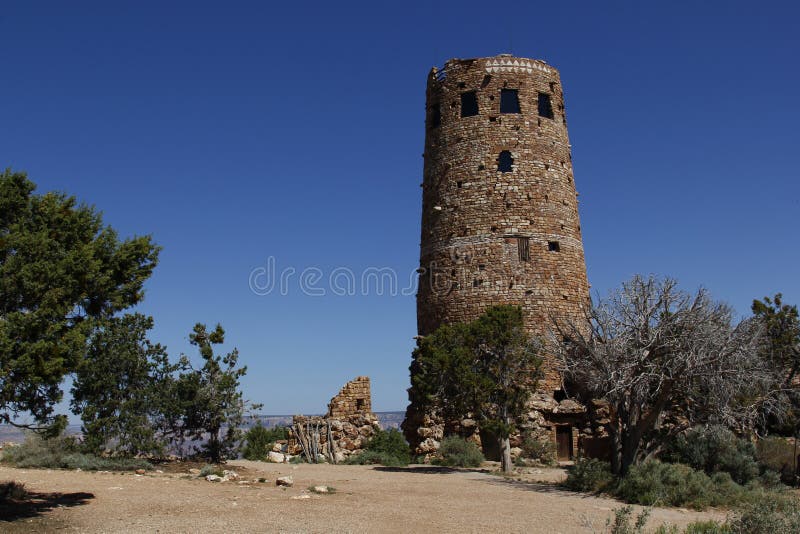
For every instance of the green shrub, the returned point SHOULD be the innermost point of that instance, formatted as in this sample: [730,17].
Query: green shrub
[656,483]
[259,441]
[543,451]
[457,452]
[589,474]
[777,454]
[63,453]
[392,443]
[713,449]
[386,447]
[209,469]
[622,521]
[375,457]
[707,527]
[297,459]
[770,514]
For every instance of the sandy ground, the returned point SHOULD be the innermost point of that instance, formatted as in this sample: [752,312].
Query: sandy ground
[367,499]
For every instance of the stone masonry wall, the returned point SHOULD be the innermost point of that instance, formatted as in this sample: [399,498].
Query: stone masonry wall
[351,421]
[353,398]
[476,220]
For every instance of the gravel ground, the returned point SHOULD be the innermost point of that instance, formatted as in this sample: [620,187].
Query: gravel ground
[367,499]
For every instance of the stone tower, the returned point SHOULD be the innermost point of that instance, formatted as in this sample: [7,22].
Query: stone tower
[499,207]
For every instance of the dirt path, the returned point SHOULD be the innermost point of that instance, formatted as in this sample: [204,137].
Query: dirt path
[415,499]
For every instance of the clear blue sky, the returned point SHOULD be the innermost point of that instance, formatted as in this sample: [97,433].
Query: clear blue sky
[234,132]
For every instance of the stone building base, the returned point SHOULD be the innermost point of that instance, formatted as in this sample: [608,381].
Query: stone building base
[571,428]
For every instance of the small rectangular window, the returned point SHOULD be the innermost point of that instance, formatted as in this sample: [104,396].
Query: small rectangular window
[436,115]
[545,106]
[524,248]
[469,104]
[553,246]
[509,101]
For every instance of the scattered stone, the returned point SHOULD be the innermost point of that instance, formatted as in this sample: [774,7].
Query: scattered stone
[140,471]
[302,496]
[276,457]
[287,481]
[321,489]
[194,471]
[230,475]
[214,478]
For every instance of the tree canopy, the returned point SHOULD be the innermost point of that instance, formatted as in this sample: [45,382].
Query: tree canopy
[780,323]
[649,347]
[210,404]
[487,368]
[61,269]
[123,389]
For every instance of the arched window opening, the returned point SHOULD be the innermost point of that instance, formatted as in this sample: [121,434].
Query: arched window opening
[505,161]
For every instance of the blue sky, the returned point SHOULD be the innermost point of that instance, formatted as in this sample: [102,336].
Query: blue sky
[234,132]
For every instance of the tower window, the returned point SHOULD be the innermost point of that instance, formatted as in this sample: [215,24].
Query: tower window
[553,246]
[436,115]
[509,101]
[545,106]
[469,104]
[524,248]
[505,161]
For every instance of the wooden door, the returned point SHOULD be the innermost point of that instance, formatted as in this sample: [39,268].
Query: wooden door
[564,442]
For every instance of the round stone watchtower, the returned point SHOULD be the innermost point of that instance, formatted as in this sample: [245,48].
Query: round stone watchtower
[499,207]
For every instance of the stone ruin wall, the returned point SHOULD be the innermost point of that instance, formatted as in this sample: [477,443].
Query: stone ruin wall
[351,421]
[491,237]
[354,398]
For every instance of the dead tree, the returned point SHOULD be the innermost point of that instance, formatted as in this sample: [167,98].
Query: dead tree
[650,347]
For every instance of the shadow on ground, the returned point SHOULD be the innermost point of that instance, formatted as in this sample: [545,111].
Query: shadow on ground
[420,469]
[35,504]
[539,487]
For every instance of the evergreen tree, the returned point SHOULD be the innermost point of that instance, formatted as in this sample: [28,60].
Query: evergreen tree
[781,327]
[487,368]
[123,389]
[213,407]
[61,270]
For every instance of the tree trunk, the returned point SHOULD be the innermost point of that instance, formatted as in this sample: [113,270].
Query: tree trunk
[505,444]
[505,447]
[616,449]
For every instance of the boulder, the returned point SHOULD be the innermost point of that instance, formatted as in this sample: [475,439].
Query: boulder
[287,481]
[468,423]
[276,457]
[214,478]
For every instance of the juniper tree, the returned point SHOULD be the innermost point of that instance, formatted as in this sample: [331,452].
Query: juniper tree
[123,389]
[61,270]
[487,368]
[781,351]
[650,347]
[211,405]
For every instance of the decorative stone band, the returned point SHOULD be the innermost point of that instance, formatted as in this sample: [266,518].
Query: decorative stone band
[476,240]
[515,65]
